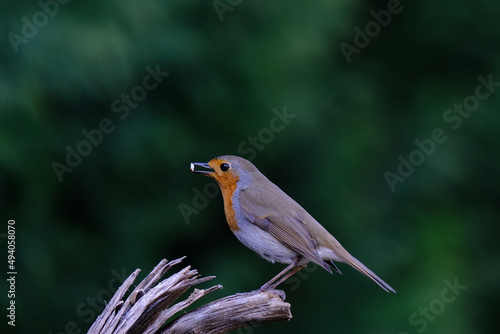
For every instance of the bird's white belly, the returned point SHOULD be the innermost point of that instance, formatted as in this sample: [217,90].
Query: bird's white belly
[263,243]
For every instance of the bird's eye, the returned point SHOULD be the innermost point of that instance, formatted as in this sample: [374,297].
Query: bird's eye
[224,167]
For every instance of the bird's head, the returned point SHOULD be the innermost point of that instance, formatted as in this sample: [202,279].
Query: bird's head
[227,170]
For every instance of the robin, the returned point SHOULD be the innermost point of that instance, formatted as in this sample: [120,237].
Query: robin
[272,224]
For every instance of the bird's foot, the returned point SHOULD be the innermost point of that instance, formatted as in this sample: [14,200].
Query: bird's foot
[271,289]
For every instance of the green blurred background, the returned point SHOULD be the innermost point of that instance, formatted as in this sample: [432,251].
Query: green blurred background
[121,207]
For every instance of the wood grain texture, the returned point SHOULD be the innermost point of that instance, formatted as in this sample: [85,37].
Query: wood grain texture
[151,305]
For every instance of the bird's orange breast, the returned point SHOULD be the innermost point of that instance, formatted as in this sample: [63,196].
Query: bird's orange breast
[228,185]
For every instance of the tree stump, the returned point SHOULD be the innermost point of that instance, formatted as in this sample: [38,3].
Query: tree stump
[150,306]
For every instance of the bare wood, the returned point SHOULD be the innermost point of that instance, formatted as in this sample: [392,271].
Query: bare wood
[149,306]
[229,313]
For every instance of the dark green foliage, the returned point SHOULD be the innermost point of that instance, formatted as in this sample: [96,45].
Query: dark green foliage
[351,126]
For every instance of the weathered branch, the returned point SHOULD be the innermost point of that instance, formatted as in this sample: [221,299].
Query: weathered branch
[229,313]
[148,308]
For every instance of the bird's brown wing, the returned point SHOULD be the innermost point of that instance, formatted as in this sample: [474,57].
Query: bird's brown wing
[291,232]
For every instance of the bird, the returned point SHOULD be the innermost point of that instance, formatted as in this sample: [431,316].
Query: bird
[272,224]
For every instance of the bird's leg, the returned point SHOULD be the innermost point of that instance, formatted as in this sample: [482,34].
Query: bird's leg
[281,273]
[284,278]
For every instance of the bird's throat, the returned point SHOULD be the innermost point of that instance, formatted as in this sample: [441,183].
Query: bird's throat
[228,186]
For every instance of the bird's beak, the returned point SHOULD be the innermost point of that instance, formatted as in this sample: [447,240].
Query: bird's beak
[201,164]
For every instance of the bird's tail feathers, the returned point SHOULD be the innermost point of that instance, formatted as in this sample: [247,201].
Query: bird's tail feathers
[355,263]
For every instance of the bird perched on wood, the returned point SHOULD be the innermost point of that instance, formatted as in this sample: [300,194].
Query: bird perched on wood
[272,224]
